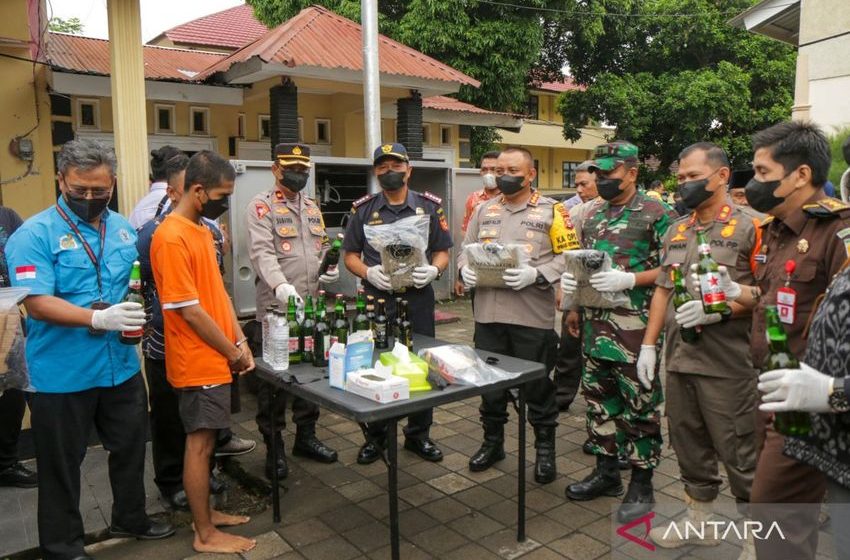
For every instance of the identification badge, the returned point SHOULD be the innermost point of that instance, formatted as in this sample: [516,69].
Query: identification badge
[98,305]
[786,304]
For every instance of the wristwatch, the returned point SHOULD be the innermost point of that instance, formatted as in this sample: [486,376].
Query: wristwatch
[838,401]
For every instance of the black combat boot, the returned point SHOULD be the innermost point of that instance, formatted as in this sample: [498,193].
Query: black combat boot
[603,481]
[282,468]
[639,499]
[308,445]
[492,450]
[545,470]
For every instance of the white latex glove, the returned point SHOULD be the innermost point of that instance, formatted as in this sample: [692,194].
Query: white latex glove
[424,275]
[470,279]
[126,316]
[612,281]
[646,364]
[283,291]
[519,278]
[804,389]
[569,284]
[732,289]
[330,276]
[692,314]
[375,275]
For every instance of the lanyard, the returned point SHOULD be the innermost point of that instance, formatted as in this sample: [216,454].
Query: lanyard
[160,206]
[95,259]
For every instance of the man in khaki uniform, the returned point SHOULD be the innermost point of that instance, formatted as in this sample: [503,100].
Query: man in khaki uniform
[286,242]
[518,320]
[711,384]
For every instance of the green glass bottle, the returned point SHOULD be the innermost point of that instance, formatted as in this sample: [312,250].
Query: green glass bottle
[370,311]
[713,297]
[321,334]
[380,332]
[681,297]
[307,341]
[340,327]
[134,294]
[405,327]
[361,321]
[331,259]
[294,332]
[792,423]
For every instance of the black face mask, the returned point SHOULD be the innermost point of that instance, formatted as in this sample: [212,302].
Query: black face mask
[694,192]
[680,208]
[212,209]
[88,209]
[609,189]
[510,184]
[391,180]
[760,194]
[294,180]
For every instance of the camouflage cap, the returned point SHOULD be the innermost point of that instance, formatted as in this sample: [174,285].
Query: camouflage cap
[608,156]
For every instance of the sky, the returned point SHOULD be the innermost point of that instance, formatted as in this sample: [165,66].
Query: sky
[157,15]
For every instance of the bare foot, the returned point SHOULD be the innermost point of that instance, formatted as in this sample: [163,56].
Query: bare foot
[220,542]
[221,519]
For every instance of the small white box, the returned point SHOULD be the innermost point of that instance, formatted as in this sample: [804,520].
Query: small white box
[336,366]
[377,385]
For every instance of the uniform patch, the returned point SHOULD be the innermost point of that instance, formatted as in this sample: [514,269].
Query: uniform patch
[444,224]
[285,231]
[803,246]
[261,209]
[312,211]
[286,246]
[26,272]
[67,242]
[844,236]
[534,198]
[278,195]
[724,213]
[361,200]
[124,235]
[281,210]
[529,234]
[432,197]
[729,229]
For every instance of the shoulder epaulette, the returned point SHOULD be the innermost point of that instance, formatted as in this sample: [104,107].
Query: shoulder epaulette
[548,200]
[430,196]
[825,208]
[362,200]
[766,220]
[751,213]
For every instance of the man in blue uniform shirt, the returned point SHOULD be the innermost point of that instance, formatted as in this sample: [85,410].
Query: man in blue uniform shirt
[75,258]
[394,202]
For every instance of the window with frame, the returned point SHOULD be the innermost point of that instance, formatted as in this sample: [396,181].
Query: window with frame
[88,114]
[569,173]
[264,127]
[532,107]
[445,135]
[426,134]
[164,119]
[323,131]
[240,125]
[199,121]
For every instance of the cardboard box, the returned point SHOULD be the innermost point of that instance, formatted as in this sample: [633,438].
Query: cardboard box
[336,366]
[378,385]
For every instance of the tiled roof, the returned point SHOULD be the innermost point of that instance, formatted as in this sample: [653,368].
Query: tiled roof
[558,87]
[443,103]
[317,37]
[91,56]
[232,28]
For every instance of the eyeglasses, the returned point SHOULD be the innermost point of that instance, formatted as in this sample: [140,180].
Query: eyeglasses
[96,193]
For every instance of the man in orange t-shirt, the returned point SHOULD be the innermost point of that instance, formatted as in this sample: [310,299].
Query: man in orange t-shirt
[204,343]
[490,190]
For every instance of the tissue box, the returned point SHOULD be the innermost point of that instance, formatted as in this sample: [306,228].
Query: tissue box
[336,366]
[372,385]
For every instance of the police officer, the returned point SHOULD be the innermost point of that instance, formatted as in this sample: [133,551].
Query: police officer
[286,242]
[710,394]
[519,320]
[812,231]
[629,227]
[75,258]
[396,201]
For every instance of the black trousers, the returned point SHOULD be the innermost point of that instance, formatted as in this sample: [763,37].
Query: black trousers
[304,413]
[567,367]
[527,343]
[12,408]
[61,423]
[420,308]
[168,440]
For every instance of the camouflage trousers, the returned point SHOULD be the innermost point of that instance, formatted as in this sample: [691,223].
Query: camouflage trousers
[621,413]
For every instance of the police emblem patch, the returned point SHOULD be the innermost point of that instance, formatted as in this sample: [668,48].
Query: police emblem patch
[286,246]
[261,208]
[67,242]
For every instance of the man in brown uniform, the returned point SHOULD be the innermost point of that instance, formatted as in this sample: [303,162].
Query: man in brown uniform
[519,320]
[286,242]
[812,231]
[711,395]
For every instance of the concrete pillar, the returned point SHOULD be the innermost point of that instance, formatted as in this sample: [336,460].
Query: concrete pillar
[409,124]
[283,114]
[802,108]
[128,101]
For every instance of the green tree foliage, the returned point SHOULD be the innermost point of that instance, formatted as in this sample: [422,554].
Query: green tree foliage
[71,25]
[497,45]
[668,73]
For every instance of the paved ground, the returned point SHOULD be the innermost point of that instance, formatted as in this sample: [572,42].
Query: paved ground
[339,511]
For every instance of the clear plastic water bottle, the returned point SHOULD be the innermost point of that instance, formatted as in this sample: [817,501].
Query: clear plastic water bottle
[279,332]
[267,341]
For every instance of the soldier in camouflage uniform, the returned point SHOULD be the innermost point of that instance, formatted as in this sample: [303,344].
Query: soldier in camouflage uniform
[629,226]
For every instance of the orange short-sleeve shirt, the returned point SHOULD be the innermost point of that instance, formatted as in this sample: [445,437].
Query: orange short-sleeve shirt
[185,270]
